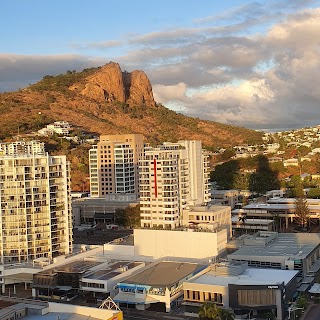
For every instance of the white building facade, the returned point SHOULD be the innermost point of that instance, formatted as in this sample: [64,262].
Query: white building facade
[35,203]
[172,176]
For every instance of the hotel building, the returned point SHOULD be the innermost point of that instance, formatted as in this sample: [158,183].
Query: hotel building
[35,211]
[114,164]
[172,177]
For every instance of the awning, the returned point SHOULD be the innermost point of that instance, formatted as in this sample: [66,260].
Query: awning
[22,277]
[130,298]
[303,287]
[315,288]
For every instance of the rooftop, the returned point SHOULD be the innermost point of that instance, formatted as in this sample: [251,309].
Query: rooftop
[112,270]
[212,208]
[283,245]
[164,274]
[251,276]
[78,266]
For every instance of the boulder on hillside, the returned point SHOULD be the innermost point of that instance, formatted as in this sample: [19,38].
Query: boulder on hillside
[111,84]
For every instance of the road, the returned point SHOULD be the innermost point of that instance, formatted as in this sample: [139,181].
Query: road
[313,313]
[133,314]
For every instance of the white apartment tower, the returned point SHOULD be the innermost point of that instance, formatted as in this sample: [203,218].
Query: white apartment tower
[114,164]
[172,177]
[35,210]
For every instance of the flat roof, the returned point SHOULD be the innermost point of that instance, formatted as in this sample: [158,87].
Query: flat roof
[251,276]
[23,276]
[163,274]
[111,270]
[276,206]
[282,204]
[252,221]
[78,266]
[206,209]
[315,288]
[285,245]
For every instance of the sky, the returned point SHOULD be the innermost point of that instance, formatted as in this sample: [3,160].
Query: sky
[249,63]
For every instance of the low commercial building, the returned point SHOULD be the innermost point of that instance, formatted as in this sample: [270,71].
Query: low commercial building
[103,281]
[284,208]
[224,197]
[252,225]
[93,275]
[159,283]
[90,211]
[291,251]
[235,286]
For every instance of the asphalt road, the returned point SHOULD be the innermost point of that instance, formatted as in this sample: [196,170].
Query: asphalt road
[132,314]
[313,313]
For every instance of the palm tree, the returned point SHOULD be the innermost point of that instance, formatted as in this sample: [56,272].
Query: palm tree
[215,312]
[226,314]
[205,311]
[209,310]
[277,222]
[302,212]
[243,219]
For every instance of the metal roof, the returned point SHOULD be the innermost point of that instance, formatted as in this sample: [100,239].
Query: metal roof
[164,274]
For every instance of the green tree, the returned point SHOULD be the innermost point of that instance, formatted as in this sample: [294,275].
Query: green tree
[302,212]
[243,219]
[227,154]
[314,193]
[295,186]
[128,217]
[241,181]
[210,310]
[264,178]
[277,222]
[205,311]
[214,312]
[303,150]
[269,315]
[226,174]
[226,314]
[302,302]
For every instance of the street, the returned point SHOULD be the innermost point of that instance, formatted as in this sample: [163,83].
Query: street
[133,314]
[313,313]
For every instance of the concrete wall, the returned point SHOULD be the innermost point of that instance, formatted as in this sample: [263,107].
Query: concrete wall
[121,250]
[186,244]
[223,290]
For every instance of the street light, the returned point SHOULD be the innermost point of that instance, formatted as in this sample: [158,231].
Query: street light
[294,311]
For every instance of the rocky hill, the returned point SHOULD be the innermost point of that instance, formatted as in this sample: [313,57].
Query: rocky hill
[109,101]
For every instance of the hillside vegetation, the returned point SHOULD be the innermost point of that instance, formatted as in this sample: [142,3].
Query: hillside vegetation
[79,98]
[60,98]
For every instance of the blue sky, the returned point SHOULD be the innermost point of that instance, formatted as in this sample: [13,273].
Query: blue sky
[246,63]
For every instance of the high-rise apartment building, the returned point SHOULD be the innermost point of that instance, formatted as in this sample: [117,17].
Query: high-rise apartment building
[114,164]
[172,177]
[35,203]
